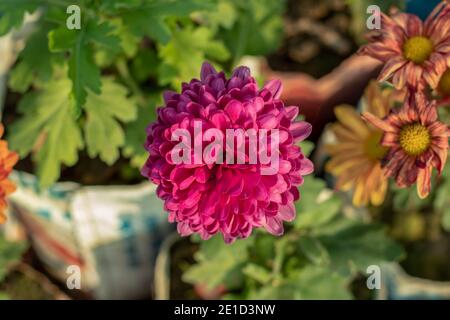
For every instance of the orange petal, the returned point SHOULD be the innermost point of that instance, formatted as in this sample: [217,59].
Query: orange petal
[344,134]
[377,122]
[8,186]
[424,182]
[390,67]
[2,217]
[351,119]
[338,164]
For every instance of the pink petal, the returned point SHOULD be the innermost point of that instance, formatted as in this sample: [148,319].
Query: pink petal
[207,69]
[300,130]
[275,87]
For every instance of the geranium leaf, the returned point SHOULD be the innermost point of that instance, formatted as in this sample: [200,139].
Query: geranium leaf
[48,128]
[183,55]
[12,13]
[104,134]
[35,62]
[353,245]
[309,282]
[83,72]
[137,19]
[219,263]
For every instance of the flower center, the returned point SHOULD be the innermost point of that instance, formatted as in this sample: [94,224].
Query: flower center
[372,146]
[444,83]
[418,49]
[414,139]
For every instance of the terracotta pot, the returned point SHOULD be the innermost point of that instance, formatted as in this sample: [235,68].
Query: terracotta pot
[318,97]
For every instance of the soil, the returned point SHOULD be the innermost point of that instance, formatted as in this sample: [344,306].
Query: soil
[429,259]
[420,233]
[181,258]
[26,283]
[18,286]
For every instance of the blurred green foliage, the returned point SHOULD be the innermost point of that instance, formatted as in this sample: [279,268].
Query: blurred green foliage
[96,88]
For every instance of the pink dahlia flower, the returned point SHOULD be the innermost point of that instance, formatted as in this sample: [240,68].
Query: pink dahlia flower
[211,197]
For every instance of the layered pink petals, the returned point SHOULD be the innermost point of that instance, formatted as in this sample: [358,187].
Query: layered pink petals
[231,199]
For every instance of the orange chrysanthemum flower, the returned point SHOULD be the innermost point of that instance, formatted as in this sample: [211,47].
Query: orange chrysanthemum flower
[357,153]
[415,53]
[418,141]
[7,160]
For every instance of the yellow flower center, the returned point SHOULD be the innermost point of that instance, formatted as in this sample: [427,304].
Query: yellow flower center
[418,49]
[373,148]
[414,139]
[444,83]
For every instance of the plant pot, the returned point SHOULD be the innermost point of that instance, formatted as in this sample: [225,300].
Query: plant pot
[317,98]
[398,285]
[167,273]
[111,233]
[175,253]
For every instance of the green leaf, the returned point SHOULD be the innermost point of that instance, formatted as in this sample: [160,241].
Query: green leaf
[257,273]
[144,65]
[446,219]
[62,39]
[259,28]
[12,13]
[407,198]
[317,205]
[353,245]
[103,34]
[10,254]
[112,5]
[224,15]
[219,263]
[313,249]
[307,147]
[136,135]
[35,62]
[185,53]
[442,201]
[264,249]
[307,283]
[104,134]
[137,19]
[83,72]
[48,126]
[85,75]
[128,41]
